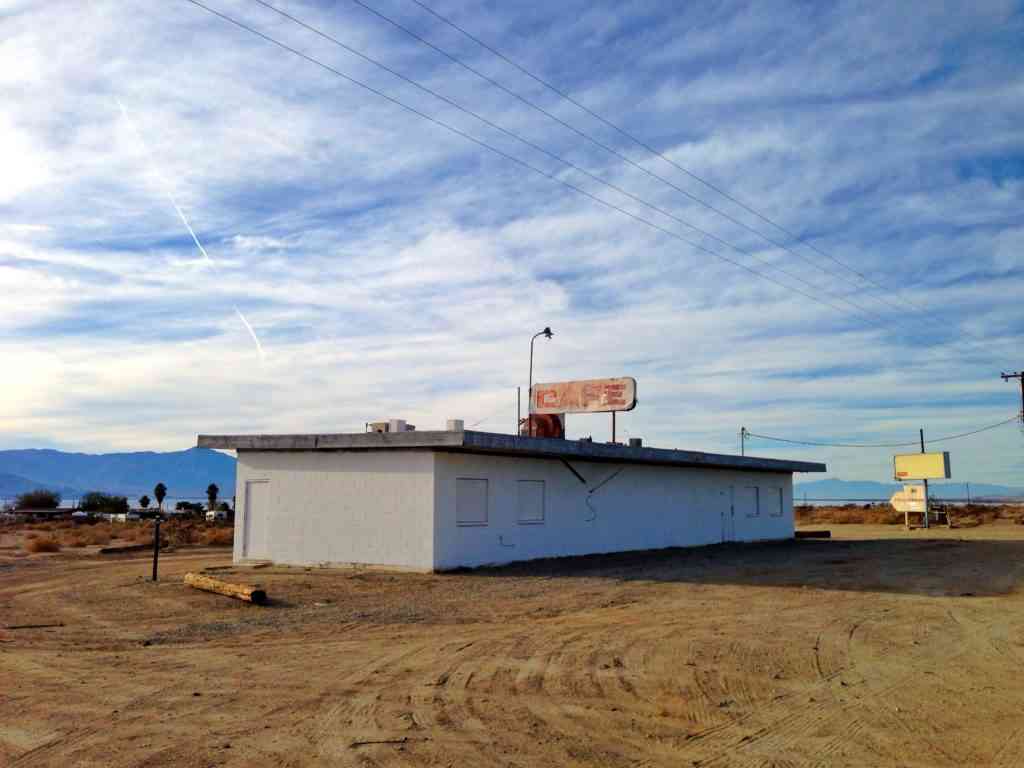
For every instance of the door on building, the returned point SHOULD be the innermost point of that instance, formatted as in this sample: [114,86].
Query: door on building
[745,511]
[257,519]
[727,507]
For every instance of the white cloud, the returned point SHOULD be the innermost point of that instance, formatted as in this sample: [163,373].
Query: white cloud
[392,269]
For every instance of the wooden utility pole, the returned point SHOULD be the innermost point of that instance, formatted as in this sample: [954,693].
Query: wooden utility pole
[743,441]
[1020,376]
[925,486]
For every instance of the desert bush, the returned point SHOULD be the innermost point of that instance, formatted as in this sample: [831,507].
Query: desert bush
[849,514]
[38,499]
[75,541]
[97,535]
[42,544]
[218,536]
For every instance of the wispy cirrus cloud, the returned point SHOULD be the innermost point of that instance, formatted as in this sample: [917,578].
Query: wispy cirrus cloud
[391,268]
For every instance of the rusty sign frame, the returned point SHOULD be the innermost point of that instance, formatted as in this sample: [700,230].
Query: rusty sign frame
[584,396]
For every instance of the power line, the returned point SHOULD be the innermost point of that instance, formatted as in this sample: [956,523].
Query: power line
[928,314]
[581,133]
[479,142]
[557,158]
[882,445]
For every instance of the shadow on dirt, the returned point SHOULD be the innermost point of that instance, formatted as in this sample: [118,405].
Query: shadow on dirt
[934,567]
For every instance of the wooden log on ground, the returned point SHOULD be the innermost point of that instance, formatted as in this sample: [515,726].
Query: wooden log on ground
[814,534]
[238,591]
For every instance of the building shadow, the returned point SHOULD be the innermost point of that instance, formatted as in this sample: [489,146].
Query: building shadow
[930,567]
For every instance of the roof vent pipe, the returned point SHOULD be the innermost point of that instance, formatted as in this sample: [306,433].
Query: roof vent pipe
[456,425]
[636,442]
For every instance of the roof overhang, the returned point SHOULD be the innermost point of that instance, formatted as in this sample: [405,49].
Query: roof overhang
[506,445]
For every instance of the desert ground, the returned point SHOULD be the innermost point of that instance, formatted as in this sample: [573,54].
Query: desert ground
[878,647]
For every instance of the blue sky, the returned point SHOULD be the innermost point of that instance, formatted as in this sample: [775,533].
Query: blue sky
[390,268]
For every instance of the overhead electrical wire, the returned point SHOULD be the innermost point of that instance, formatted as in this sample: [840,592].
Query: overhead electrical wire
[899,305]
[946,438]
[864,311]
[653,151]
[512,158]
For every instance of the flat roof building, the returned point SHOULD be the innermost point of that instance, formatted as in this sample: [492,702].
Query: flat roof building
[437,500]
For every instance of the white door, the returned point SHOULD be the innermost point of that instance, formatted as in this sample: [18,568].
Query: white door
[257,520]
[745,512]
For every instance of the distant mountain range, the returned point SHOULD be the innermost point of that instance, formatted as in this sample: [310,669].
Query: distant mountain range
[185,473]
[866,489]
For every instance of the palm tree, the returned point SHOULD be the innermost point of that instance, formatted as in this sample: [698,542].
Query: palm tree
[211,494]
[144,501]
[160,492]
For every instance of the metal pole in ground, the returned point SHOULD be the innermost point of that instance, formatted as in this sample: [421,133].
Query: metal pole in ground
[156,546]
[925,486]
[519,409]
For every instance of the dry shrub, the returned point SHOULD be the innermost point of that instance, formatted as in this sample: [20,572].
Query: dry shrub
[31,535]
[179,533]
[97,536]
[42,544]
[849,514]
[75,541]
[219,536]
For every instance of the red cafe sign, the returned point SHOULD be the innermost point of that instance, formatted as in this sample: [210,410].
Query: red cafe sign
[590,396]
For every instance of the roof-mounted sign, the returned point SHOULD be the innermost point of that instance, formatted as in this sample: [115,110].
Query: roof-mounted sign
[587,396]
[921,466]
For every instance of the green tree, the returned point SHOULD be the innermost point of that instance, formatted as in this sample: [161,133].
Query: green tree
[160,492]
[144,501]
[38,499]
[211,494]
[94,501]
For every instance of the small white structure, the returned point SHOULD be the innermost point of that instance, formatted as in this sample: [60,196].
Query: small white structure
[432,501]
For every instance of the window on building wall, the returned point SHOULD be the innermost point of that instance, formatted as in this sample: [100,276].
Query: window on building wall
[470,501]
[778,502]
[531,502]
[753,494]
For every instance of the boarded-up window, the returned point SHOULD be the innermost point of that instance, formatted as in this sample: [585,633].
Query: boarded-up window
[752,500]
[531,502]
[470,501]
[778,502]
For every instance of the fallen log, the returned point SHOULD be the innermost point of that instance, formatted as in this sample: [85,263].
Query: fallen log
[238,591]
[814,534]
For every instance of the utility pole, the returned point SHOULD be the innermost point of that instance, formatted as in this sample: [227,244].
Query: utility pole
[1017,375]
[743,441]
[926,503]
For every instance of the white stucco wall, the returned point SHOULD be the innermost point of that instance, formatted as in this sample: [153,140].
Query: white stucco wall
[644,507]
[327,507]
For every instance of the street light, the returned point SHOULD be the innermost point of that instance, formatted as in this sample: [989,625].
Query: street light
[546,333]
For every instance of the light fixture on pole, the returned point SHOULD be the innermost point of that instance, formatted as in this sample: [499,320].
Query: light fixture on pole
[546,333]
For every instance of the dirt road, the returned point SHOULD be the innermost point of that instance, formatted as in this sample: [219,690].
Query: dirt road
[881,647]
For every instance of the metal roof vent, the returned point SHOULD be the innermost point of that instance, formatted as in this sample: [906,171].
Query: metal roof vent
[636,442]
[456,425]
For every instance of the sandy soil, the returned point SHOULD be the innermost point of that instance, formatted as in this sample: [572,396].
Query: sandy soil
[880,647]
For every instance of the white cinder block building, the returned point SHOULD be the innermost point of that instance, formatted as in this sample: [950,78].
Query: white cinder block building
[439,500]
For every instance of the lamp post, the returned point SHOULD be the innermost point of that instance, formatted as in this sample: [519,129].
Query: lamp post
[546,333]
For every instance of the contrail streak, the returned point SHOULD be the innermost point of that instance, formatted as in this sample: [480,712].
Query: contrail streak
[169,191]
[255,338]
